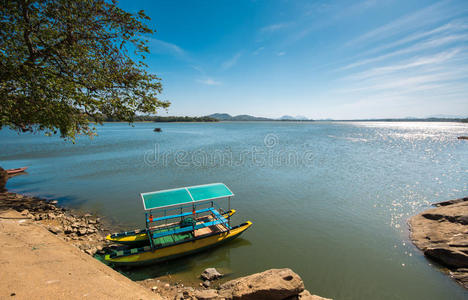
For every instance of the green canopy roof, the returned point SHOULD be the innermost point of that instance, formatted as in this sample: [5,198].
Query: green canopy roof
[185,195]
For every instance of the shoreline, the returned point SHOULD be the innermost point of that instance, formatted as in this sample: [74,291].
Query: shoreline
[70,239]
[441,234]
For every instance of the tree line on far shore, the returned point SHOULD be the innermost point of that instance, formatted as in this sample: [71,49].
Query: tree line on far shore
[166,119]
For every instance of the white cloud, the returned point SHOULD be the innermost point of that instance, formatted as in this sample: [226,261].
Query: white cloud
[258,50]
[209,81]
[274,27]
[281,53]
[231,62]
[166,47]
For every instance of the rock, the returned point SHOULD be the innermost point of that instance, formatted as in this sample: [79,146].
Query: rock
[82,231]
[91,251]
[206,283]
[449,257]
[24,212]
[51,216]
[306,295]
[441,233]
[154,288]
[55,229]
[92,221]
[210,274]
[271,284]
[450,202]
[53,202]
[463,137]
[87,215]
[179,296]
[206,294]
[167,285]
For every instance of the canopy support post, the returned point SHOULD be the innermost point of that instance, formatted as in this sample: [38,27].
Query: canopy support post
[229,209]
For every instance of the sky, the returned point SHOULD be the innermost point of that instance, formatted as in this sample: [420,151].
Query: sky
[318,59]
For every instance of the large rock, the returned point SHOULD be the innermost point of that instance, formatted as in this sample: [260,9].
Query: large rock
[441,233]
[271,284]
[306,295]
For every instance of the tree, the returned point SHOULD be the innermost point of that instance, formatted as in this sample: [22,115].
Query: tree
[64,63]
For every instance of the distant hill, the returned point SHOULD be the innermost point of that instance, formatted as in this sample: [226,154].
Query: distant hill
[228,117]
[296,118]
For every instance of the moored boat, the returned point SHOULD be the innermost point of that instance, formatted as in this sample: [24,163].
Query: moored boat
[198,224]
[139,237]
[16,171]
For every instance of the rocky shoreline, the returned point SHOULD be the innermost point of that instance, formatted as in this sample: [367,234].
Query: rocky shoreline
[84,231]
[87,233]
[442,234]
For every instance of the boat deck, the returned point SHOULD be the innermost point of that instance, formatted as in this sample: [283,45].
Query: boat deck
[176,238]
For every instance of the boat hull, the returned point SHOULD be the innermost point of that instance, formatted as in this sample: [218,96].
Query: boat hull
[178,250]
[138,238]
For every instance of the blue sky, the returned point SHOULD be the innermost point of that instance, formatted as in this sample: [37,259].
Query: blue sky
[319,59]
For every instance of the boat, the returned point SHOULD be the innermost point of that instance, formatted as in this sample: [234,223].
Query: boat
[179,222]
[16,171]
[139,237]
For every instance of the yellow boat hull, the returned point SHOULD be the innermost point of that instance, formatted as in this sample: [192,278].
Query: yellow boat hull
[178,250]
[139,237]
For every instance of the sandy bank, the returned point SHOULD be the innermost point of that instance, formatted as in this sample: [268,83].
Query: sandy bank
[441,233]
[36,264]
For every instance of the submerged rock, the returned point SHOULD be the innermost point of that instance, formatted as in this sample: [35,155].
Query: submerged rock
[210,274]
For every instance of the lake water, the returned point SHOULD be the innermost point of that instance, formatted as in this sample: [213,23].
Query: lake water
[329,200]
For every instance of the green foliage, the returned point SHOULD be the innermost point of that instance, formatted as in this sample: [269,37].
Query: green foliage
[63,63]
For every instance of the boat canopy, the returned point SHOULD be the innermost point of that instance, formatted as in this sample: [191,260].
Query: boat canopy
[185,195]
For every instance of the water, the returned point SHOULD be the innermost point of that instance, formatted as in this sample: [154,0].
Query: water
[329,200]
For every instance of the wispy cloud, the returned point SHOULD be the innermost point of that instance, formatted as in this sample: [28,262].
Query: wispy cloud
[258,50]
[166,47]
[416,20]
[209,81]
[231,62]
[281,53]
[274,27]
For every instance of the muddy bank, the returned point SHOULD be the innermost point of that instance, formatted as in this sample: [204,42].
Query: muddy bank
[442,234]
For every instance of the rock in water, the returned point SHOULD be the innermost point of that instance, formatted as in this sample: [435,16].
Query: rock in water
[441,234]
[272,284]
[210,274]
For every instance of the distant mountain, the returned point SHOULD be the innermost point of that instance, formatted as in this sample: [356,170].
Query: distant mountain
[228,117]
[221,117]
[296,118]
[446,117]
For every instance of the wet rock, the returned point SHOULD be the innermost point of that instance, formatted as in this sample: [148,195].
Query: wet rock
[206,283]
[306,295]
[271,284]
[450,202]
[210,274]
[448,256]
